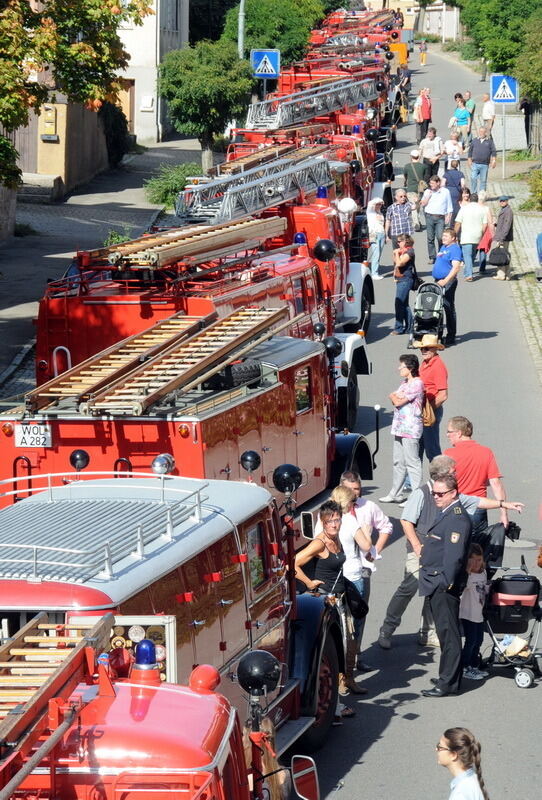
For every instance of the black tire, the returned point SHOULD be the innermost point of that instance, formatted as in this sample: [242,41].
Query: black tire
[246,372]
[348,402]
[364,308]
[327,689]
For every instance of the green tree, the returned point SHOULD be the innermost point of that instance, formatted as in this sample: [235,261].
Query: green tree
[497,27]
[284,24]
[206,86]
[528,67]
[71,47]
[207,18]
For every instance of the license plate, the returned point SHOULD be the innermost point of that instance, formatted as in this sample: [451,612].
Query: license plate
[33,436]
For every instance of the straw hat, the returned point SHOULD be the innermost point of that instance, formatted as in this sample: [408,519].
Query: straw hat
[429,340]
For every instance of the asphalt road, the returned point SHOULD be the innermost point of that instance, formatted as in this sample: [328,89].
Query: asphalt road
[388,750]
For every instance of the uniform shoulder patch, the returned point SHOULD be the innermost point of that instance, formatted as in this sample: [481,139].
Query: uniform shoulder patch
[457,510]
[455,537]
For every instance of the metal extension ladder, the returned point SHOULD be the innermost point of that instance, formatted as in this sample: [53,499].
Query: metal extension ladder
[278,112]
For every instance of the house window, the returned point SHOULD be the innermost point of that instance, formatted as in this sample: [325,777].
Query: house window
[171,15]
[303,394]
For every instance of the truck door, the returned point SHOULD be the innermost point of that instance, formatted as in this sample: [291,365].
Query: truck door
[309,430]
[228,582]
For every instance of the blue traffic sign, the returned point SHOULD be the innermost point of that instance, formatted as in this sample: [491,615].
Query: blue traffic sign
[504,89]
[265,63]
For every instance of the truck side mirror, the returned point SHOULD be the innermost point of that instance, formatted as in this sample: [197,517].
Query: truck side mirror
[305,778]
[307,525]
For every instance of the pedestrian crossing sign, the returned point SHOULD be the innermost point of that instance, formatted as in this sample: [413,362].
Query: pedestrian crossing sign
[504,89]
[265,63]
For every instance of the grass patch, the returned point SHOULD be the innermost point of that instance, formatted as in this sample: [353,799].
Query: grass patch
[22,229]
[520,155]
[432,38]
[164,187]
[451,47]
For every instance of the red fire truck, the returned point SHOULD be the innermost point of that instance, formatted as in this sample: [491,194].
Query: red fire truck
[205,391]
[211,558]
[72,724]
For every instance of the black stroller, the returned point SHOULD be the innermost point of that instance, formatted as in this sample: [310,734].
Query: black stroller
[428,311]
[513,608]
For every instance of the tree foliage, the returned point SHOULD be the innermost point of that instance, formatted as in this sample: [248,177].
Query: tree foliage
[284,24]
[206,86]
[207,18]
[528,67]
[71,46]
[497,27]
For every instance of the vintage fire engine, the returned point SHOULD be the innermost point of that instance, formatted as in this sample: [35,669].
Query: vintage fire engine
[204,390]
[211,558]
[83,717]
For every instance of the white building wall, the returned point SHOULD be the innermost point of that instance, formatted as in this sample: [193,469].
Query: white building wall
[165,30]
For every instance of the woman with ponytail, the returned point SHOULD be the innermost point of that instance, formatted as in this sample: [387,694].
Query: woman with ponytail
[459,751]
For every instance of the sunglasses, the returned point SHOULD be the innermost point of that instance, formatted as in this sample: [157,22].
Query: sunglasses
[441,494]
[426,349]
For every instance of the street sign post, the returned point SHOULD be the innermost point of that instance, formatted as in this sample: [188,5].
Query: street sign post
[265,65]
[504,89]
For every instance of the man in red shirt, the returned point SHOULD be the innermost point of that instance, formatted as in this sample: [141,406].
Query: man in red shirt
[434,375]
[475,468]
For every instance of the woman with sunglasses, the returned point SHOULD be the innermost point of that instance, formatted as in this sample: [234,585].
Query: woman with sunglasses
[459,751]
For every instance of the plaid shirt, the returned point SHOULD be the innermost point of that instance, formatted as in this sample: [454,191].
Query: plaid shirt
[399,215]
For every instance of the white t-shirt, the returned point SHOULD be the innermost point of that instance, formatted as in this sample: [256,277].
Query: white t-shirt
[488,110]
[352,566]
[472,217]
[471,605]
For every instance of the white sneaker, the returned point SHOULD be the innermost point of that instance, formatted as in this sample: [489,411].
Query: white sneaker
[377,277]
[390,499]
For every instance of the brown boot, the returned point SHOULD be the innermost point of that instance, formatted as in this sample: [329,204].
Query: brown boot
[347,685]
[346,682]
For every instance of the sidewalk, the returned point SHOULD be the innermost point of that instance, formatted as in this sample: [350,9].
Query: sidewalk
[114,200]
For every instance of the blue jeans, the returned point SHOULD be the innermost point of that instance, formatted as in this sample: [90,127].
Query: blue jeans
[403,314]
[478,172]
[363,585]
[430,441]
[434,227]
[469,254]
[375,251]
[474,636]
[482,260]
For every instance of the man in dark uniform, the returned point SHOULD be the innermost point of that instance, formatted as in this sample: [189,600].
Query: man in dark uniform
[442,575]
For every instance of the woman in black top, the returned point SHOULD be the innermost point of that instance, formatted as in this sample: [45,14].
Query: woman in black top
[404,271]
[328,553]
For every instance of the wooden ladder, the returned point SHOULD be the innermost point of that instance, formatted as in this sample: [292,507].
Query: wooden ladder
[187,363]
[39,662]
[91,375]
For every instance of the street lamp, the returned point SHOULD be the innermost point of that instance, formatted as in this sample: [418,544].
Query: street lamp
[241,30]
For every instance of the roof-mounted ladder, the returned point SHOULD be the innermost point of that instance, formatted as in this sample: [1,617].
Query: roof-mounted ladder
[184,244]
[278,112]
[235,196]
[96,372]
[187,364]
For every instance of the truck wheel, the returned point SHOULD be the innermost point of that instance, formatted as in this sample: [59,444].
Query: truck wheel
[364,308]
[327,689]
[348,401]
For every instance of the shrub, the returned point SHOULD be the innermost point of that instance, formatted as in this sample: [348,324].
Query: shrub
[432,38]
[534,203]
[116,237]
[164,187]
[469,51]
[450,47]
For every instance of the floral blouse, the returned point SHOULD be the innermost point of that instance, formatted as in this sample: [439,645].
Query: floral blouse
[407,420]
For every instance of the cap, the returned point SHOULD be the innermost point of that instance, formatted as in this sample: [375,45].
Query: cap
[415,153]
[503,197]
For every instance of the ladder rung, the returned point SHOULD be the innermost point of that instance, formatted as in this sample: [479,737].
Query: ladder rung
[52,639]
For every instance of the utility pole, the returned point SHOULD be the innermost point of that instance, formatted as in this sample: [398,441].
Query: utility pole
[241,30]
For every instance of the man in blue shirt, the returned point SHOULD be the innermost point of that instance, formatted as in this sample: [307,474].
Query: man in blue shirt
[445,271]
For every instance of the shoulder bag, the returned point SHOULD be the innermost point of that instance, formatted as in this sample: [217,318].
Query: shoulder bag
[355,602]
[428,413]
[498,257]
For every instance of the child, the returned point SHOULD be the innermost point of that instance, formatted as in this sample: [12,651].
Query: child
[471,613]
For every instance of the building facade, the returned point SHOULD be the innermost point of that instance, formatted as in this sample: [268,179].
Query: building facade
[147,44]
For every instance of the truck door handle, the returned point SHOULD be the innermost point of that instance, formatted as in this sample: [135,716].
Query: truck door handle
[299,433]
[266,449]
[197,623]
[223,602]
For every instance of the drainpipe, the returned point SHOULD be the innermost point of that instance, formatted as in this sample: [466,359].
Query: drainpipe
[158,54]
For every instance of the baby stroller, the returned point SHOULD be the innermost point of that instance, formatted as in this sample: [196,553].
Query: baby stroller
[428,311]
[512,608]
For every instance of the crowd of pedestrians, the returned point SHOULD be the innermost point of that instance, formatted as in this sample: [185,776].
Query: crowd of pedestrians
[445,191]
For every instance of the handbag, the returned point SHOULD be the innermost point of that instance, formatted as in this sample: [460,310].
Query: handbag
[422,186]
[355,602]
[498,257]
[428,413]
